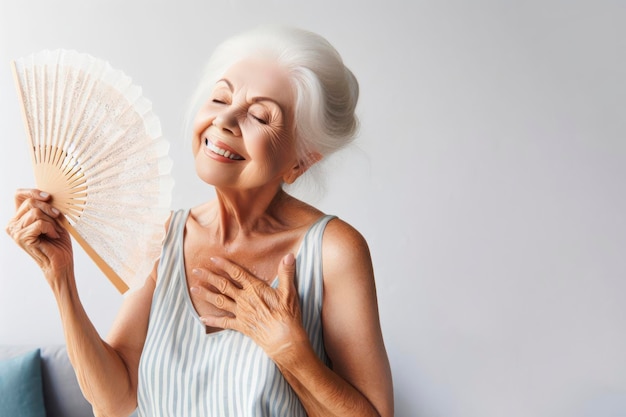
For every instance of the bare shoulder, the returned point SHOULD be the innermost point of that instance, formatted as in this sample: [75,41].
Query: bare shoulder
[344,249]
[339,232]
[348,270]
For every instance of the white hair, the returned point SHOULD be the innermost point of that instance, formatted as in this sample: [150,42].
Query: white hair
[326,91]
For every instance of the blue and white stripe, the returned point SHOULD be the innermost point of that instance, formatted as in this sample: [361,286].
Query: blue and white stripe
[185,372]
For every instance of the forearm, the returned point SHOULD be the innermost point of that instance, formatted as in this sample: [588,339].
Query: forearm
[102,374]
[322,392]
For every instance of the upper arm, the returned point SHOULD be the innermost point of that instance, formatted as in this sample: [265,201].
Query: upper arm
[352,332]
[128,332]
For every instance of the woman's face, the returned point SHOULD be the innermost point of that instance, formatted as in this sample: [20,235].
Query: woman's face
[243,134]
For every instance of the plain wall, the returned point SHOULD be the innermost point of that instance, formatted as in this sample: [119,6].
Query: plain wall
[489,179]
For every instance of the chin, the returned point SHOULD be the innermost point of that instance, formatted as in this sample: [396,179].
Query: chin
[211,174]
[205,172]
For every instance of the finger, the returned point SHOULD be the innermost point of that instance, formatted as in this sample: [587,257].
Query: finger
[20,228]
[234,271]
[29,244]
[26,193]
[41,227]
[27,216]
[287,272]
[31,203]
[224,322]
[221,284]
[220,301]
[34,214]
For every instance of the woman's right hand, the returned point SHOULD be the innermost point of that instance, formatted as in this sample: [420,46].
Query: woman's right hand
[35,227]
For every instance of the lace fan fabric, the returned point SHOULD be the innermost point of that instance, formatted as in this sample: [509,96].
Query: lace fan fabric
[96,147]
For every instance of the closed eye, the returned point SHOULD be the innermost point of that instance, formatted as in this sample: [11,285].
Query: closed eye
[258,119]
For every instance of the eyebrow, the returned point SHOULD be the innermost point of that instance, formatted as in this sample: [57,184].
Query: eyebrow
[255,99]
[230,85]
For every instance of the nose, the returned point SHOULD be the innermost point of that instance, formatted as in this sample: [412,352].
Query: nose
[228,120]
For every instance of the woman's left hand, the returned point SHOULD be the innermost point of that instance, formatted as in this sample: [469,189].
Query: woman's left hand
[269,316]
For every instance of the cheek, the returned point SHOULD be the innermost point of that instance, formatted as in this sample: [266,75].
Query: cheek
[262,140]
[202,120]
[200,123]
[283,145]
[277,152]
[196,142]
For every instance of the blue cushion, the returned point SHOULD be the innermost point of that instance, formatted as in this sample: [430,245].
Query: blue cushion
[21,392]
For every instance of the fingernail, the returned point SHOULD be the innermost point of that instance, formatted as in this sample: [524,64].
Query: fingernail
[195,271]
[213,259]
[289,259]
[194,290]
[55,210]
[43,194]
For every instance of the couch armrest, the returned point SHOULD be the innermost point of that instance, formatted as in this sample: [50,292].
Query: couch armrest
[62,395]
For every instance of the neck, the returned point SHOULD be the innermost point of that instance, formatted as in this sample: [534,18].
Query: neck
[241,214]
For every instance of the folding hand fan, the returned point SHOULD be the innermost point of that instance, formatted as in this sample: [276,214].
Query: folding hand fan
[96,147]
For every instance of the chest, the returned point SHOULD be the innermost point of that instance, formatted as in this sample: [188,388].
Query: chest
[258,255]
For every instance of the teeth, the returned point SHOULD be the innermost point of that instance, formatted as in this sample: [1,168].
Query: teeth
[222,152]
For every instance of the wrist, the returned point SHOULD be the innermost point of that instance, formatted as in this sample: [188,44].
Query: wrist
[294,352]
[61,282]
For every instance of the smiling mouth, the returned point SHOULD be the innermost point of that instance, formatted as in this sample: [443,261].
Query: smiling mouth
[222,152]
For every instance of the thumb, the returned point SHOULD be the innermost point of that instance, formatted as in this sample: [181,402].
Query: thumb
[286,272]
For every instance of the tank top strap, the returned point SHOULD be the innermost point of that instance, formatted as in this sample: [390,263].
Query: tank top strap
[174,230]
[178,221]
[171,251]
[312,240]
[310,283]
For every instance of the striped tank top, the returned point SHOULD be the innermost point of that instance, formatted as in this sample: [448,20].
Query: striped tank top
[185,372]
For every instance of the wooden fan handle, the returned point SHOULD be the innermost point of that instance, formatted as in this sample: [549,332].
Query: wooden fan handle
[104,267]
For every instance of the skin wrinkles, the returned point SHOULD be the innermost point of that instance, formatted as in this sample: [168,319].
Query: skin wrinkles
[235,246]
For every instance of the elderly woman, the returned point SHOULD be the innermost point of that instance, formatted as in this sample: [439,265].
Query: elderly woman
[260,304]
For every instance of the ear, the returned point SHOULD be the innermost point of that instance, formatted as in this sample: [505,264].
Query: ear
[301,166]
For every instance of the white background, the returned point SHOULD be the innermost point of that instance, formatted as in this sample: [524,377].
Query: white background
[489,179]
